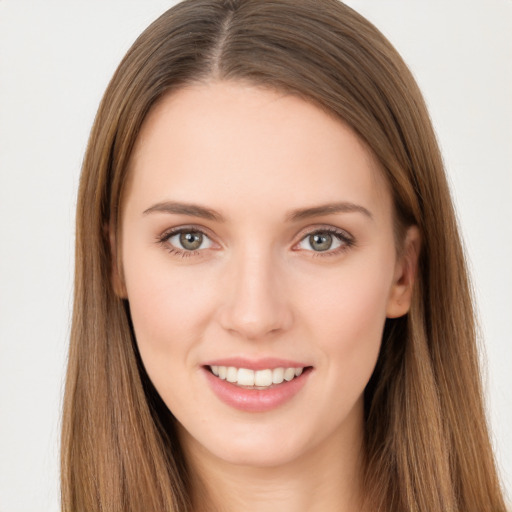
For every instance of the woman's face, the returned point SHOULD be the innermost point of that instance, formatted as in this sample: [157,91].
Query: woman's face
[257,243]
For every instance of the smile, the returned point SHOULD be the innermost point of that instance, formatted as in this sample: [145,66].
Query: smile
[255,379]
[268,385]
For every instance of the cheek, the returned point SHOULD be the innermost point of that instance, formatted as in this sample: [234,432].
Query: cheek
[167,308]
[169,304]
[347,320]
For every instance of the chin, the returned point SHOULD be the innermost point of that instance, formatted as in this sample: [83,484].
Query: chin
[259,456]
[246,444]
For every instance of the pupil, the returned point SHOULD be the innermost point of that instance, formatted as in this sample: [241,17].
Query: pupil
[320,242]
[191,240]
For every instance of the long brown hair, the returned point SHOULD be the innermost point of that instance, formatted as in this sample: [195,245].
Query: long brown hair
[427,446]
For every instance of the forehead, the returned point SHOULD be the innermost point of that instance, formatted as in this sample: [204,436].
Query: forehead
[221,142]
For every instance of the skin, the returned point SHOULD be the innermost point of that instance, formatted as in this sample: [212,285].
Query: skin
[257,288]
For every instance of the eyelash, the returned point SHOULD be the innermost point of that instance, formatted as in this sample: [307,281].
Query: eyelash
[346,240]
[163,240]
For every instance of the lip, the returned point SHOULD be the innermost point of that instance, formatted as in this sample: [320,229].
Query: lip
[257,364]
[256,400]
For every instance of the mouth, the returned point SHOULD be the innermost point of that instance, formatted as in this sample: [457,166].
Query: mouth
[263,379]
[256,385]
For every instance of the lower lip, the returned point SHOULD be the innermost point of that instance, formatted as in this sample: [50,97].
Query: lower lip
[256,400]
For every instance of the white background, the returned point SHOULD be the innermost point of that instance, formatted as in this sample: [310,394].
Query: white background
[56,58]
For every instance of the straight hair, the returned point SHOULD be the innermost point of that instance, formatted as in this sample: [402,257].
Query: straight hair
[426,438]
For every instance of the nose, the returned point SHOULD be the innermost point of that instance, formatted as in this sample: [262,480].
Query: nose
[256,304]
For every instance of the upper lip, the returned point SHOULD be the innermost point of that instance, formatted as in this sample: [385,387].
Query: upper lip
[256,364]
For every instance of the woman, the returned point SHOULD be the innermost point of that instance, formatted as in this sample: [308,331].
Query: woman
[271,302]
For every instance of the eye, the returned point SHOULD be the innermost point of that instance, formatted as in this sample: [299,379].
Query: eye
[188,240]
[326,240]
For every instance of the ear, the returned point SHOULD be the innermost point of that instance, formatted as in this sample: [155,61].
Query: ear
[406,268]
[115,272]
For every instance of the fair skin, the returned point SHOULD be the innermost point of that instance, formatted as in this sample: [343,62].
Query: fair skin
[263,281]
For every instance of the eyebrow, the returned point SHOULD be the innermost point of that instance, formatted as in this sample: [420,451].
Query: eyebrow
[195,210]
[327,209]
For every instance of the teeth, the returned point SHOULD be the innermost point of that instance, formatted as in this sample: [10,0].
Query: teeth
[263,378]
[289,373]
[245,377]
[255,378]
[231,374]
[277,375]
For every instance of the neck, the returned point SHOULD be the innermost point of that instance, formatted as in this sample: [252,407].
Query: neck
[327,478]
